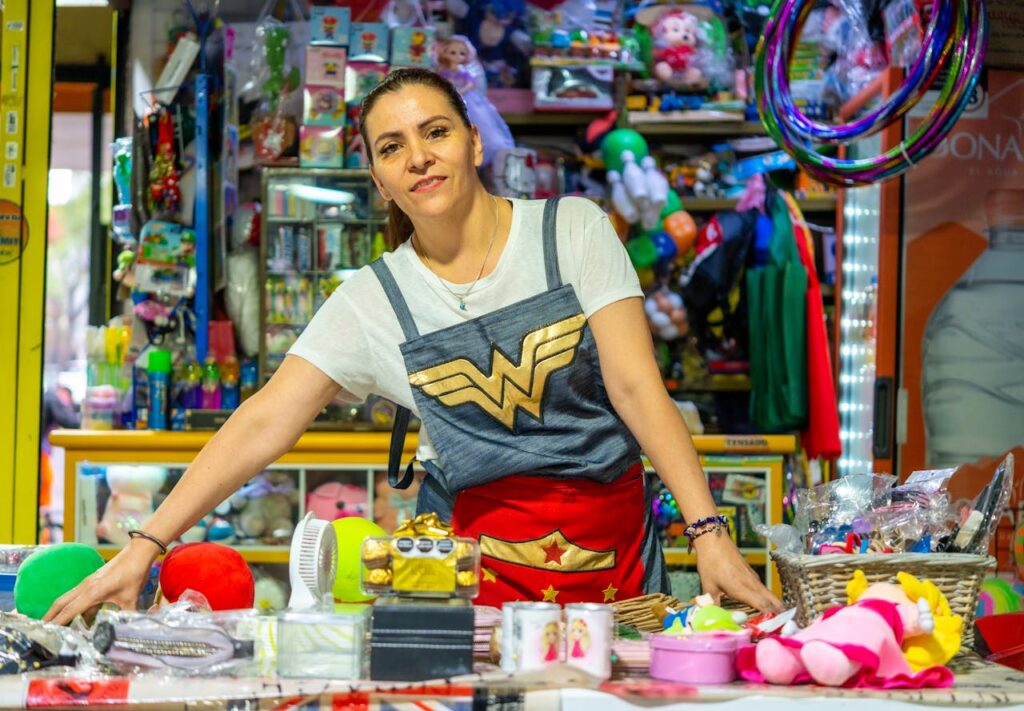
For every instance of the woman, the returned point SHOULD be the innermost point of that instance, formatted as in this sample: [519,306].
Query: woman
[515,330]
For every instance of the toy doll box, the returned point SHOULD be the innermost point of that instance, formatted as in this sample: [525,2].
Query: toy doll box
[417,640]
[815,583]
[410,46]
[329,25]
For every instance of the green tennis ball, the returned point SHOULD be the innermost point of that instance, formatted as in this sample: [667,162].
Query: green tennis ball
[713,618]
[351,532]
[51,572]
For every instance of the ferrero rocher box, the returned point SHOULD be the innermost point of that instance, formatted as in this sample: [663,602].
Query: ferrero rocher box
[423,558]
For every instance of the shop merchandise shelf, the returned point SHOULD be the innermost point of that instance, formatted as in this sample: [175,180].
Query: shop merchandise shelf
[685,129]
[807,205]
[748,468]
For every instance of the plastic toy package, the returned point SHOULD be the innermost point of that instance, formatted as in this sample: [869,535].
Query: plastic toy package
[30,645]
[859,59]
[179,639]
[580,87]
[866,514]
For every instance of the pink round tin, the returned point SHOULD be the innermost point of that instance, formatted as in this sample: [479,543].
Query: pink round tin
[699,658]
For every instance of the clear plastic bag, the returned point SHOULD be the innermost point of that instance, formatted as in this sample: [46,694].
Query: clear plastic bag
[835,504]
[979,520]
[178,639]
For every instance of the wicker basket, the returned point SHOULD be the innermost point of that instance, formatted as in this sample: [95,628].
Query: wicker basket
[814,583]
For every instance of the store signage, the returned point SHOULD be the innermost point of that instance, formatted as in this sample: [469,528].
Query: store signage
[13,232]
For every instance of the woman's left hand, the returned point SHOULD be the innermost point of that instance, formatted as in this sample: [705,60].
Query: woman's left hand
[724,571]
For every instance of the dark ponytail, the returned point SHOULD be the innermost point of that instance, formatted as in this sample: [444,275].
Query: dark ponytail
[399,225]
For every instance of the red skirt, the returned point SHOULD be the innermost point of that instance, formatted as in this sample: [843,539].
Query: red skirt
[558,540]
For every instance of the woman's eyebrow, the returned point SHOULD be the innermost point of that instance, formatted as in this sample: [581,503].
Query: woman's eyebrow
[422,124]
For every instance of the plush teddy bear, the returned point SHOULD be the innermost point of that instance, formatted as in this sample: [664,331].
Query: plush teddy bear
[888,636]
[267,506]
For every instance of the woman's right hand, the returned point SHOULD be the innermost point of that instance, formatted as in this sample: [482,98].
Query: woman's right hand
[120,582]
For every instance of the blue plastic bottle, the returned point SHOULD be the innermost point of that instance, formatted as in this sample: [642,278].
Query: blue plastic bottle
[158,371]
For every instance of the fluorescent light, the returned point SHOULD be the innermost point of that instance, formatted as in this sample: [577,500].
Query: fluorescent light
[328,196]
[82,3]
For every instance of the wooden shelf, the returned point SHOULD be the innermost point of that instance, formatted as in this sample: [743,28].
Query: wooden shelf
[251,554]
[678,556]
[684,129]
[808,205]
[547,119]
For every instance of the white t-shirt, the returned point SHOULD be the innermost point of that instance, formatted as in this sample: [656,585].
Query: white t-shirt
[354,337]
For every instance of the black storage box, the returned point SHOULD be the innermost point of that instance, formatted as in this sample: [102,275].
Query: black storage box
[418,640]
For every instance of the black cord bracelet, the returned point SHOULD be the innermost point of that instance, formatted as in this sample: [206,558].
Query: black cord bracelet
[139,533]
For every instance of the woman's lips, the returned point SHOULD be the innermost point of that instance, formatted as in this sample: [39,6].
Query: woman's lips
[427,184]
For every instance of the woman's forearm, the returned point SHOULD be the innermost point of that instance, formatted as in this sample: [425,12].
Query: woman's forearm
[659,428]
[262,429]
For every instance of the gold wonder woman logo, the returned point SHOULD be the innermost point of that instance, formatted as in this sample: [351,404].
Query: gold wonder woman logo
[509,386]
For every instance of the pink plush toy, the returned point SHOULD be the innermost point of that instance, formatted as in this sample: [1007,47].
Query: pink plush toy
[888,637]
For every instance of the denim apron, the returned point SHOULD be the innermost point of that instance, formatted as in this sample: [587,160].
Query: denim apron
[532,459]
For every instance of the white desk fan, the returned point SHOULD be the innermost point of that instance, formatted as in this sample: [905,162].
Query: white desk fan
[313,563]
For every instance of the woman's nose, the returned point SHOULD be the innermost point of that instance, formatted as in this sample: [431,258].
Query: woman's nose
[420,157]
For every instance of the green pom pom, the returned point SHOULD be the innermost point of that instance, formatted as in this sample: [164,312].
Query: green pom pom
[51,572]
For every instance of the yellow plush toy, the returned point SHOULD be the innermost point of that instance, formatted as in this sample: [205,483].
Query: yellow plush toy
[921,650]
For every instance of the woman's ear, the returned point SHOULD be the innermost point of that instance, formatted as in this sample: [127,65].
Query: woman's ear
[478,147]
[380,188]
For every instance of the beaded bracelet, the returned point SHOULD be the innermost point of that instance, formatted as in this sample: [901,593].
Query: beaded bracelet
[710,524]
[701,523]
[138,533]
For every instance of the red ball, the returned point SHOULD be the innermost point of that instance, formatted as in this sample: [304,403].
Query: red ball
[216,571]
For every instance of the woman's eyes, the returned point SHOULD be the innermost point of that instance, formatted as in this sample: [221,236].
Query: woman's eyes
[433,134]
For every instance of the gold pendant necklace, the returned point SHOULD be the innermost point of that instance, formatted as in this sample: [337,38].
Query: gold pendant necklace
[462,297]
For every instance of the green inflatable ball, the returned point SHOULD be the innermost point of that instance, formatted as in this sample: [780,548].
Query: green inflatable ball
[619,140]
[351,532]
[51,572]
[642,252]
[672,205]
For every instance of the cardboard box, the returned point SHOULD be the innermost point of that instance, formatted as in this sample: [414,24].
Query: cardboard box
[330,25]
[416,640]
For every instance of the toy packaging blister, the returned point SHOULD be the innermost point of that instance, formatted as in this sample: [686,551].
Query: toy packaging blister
[165,260]
[325,66]
[323,106]
[329,25]
[321,147]
[368,41]
[573,88]
[178,640]
[410,46]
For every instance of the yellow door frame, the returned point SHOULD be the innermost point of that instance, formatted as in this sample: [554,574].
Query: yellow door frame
[26,64]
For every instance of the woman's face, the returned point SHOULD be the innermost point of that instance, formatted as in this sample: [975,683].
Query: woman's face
[423,156]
